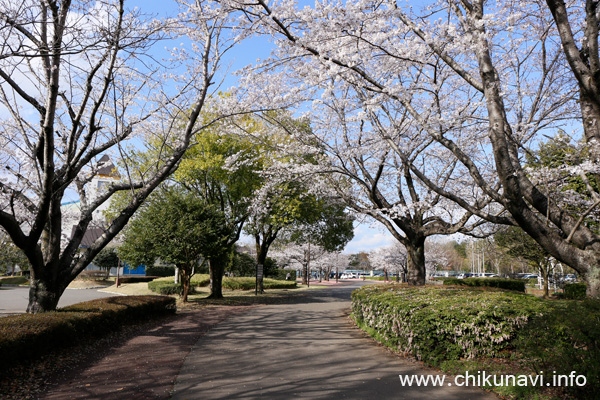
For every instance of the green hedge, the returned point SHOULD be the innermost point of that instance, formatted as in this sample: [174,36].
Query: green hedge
[280,274]
[501,283]
[566,338]
[167,286]
[240,283]
[14,280]
[442,323]
[92,275]
[26,336]
[200,280]
[135,278]
[575,291]
[164,287]
[160,271]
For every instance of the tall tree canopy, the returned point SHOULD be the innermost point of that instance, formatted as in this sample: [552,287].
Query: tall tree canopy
[178,228]
[479,81]
[78,82]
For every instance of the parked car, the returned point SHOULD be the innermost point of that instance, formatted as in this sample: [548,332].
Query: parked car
[466,275]
[529,276]
[488,275]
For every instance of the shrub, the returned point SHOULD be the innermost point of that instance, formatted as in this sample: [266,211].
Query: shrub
[442,323]
[501,283]
[92,275]
[250,284]
[531,281]
[280,274]
[566,338]
[160,271]
[135,278]
[26,336]
[14,280]
[164,287]
[575,291]
[200,280]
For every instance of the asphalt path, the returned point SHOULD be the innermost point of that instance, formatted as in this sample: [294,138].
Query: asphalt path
[14,299]
[307,350]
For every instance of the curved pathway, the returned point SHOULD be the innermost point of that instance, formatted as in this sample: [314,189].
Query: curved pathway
[306,350]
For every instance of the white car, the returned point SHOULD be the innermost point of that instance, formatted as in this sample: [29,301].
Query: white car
[488,275]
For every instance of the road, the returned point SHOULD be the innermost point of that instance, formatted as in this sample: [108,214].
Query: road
[14,299]
[308,350]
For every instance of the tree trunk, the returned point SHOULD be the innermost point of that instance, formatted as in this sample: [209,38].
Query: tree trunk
[261,257]
[592,279]
[43,297]
[416,261]
[186,277]
[305,274]
[216,267]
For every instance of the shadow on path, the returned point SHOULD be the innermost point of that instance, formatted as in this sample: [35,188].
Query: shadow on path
[305,349]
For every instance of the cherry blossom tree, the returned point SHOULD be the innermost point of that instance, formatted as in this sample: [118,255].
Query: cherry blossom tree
[303,257]
[79,82]
[493,76]
[393,259]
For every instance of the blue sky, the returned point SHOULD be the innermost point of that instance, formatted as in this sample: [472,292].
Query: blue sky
[367,236]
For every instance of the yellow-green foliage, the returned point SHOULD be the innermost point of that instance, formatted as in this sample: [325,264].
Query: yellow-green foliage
[441,323]
[26,336]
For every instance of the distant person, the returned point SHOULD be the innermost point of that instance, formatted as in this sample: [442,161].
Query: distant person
[288,276]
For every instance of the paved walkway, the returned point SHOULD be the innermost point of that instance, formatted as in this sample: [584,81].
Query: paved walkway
[308,351]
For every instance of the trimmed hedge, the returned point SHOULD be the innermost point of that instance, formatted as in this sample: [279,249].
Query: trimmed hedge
[438,323]
[240,283]
[280,274]
[164,287]
[501,283]
[160,271]
[135,278]
[26,336]
[566,338]
[92,275]
[575,291]
[200,280]
[14,280]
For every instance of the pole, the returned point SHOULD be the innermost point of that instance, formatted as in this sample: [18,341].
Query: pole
[118,268]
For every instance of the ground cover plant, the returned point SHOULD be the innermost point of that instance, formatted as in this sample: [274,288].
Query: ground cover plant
[483,329]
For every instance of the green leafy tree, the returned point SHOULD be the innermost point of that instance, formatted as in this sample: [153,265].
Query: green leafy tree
[106,259]
[222,170]
[519,244]
[11,255]
[327,225]
[179,228]
[242,264]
